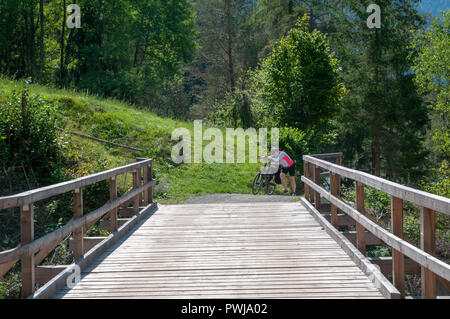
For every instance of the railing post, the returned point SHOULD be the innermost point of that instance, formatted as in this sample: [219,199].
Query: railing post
[136,182]
[334,188]
[26,237]
[305,173]
[139,178]
[427,244]
[360,230]
[77,243]
[338,177]
[316,170]
[398,260]
[309,175]
[150,178]
[148,194]
[113,196]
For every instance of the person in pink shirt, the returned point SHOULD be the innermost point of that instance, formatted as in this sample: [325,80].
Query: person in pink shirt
[287,166]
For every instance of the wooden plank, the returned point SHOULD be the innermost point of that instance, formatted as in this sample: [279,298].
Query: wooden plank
[343,219]
[77,241]
[360,231]
[328,155]
[61,188]
[335,181]
[386,288]
[27,260]
[305,172]
[104,224]
[428,244]
[150,177]
[386,265]
[426,260]
[316,170]
[398,260]
[4,268]
[136,184]
[58,235]
[146,179]
[113,196]
[88,243]
[423,199]
[59,281]
[45,273]
[270,256]
[371,239]
[127,212]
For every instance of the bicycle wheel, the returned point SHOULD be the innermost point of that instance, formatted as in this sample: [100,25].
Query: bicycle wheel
[257,183]
[269,186]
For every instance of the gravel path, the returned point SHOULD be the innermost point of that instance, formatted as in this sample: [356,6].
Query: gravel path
[240,198]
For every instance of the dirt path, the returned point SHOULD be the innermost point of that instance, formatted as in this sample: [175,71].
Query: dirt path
[240,198]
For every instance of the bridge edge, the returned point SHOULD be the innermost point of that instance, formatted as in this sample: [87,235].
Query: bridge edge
[52,287]
[387,289]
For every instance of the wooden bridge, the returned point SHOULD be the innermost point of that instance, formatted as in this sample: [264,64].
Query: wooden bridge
[250,250]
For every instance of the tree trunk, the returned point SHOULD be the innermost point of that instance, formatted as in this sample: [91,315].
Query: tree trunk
[62,74]
[42,24]
[376,120]
[32,43]
[230,47]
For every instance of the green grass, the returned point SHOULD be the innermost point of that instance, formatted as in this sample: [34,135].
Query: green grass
[122,123]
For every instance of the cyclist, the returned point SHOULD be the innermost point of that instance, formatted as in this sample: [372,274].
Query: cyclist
[287,166]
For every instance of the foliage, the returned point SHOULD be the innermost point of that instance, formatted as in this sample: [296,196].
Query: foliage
[10,286]
[300,83]
[432,73]
[295,143]
[432,76]
[383,123]
[128,49]
[28,136]
[234,111]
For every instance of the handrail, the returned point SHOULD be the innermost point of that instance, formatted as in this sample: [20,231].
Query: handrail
[59,234]
[328,155]
[432,267]
[35,195]
[32,251]
[424,259]
[421,198]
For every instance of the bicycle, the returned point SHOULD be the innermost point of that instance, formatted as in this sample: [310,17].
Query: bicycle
[265,179]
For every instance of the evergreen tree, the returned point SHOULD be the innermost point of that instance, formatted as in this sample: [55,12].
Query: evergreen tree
[384,120]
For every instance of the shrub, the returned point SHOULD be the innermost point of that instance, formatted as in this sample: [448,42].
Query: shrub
[28,136]
[299,80]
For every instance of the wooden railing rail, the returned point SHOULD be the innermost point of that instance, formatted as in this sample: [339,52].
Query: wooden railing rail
[32,251]
[429,203]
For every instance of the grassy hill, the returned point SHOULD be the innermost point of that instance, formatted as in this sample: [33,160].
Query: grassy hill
[121,123]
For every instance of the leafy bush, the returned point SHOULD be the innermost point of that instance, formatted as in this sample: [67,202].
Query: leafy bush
[299,80]
[234,111]
[378,202]
[28,136]
[10,286]
[294,142]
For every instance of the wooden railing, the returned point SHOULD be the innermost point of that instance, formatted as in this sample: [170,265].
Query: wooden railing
[431,267]
[31,251]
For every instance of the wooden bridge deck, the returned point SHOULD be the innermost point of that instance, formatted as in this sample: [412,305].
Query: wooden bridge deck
[254,250]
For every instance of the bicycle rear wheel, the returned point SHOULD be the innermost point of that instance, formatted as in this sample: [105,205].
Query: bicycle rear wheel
[257,183]
[269,185]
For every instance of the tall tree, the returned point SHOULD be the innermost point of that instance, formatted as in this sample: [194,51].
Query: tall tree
[219,62]
[430,54]
[384,120]
[41,39]
[62,45]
